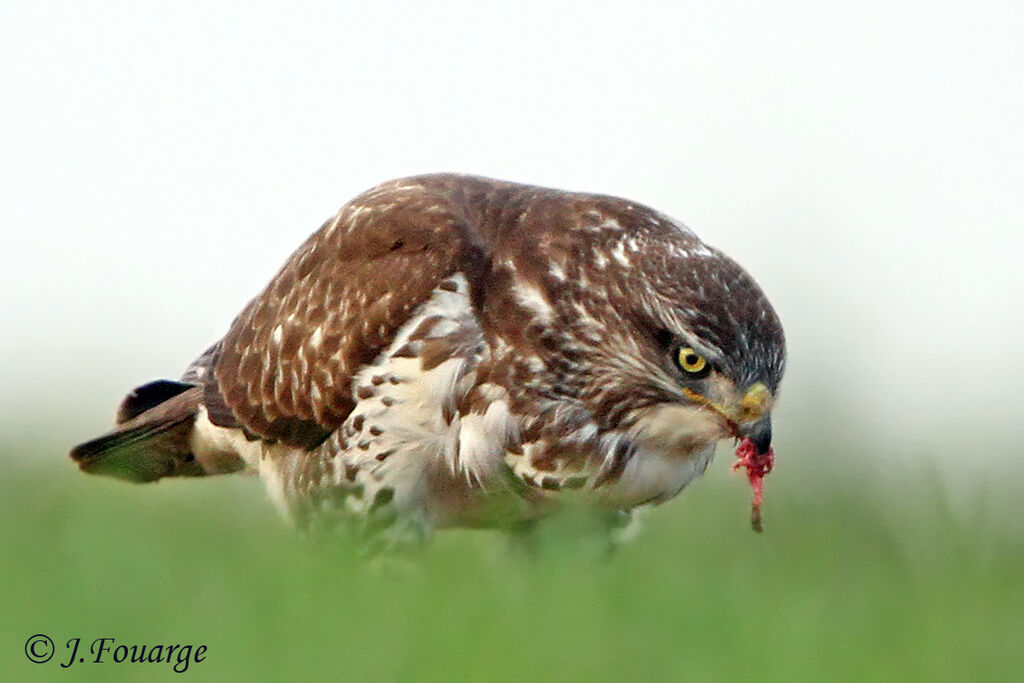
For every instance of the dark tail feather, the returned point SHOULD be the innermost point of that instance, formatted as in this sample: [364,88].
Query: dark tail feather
[149,396]
[151,440]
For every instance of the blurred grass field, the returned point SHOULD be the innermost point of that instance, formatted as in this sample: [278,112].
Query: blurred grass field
[858,577]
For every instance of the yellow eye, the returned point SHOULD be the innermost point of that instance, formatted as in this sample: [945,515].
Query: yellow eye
[691,361]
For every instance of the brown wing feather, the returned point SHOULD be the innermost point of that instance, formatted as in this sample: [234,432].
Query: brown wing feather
[284,369]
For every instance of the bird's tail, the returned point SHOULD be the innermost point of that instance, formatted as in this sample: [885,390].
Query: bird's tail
[152,438]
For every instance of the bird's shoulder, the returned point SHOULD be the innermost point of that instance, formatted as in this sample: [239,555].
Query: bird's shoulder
[284,369]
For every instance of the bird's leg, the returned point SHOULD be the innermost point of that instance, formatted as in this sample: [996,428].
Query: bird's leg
[622,527]
[583,531]
[523,539]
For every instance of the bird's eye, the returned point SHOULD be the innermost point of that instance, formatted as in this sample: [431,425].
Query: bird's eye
[691,362]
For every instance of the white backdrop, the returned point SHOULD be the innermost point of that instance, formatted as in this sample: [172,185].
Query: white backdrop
[158,161]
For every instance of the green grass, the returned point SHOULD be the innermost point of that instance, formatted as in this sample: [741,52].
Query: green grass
[852,581]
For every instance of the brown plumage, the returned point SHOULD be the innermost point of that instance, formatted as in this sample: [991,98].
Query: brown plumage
[463,351]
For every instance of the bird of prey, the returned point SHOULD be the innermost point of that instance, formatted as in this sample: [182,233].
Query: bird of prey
[451,350]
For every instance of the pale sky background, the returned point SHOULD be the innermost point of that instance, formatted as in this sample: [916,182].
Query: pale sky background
[864,161]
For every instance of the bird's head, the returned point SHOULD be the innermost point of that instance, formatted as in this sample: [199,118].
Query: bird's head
[619,315]
[658,335]
[695,353]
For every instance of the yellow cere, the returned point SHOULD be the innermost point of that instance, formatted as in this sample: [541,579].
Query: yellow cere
[690,361]
[754,402]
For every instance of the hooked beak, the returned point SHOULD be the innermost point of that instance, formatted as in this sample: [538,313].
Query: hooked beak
[761,434]
[753,415]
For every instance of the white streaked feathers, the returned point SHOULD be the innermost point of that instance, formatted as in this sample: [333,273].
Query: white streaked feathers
[534,300]
[482,441]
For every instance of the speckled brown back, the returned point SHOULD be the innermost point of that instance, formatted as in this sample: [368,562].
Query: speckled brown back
[284,369]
